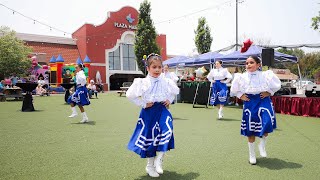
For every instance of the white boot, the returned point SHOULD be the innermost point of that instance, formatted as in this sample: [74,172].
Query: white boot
[158,162]
[262,146]
[84,118]
[220,114]
[74,112]
[252,154]
[150,169]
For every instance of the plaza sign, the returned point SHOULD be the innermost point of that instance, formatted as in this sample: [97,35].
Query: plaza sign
[125,26]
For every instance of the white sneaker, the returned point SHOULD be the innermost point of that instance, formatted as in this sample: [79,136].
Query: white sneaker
[237,104]
[151,171]
[73,115]
[84,120]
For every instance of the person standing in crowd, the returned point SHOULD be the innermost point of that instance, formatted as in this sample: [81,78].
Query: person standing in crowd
[255,87]
[219,77]
[153,135]
[14,79]
[80,97]
[170,75]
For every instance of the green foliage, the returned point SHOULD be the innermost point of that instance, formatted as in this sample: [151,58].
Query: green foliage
[145,39]
[203,39]
[308,63]
[315,22]
[13,54]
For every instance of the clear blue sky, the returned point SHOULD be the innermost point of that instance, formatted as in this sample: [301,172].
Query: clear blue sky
[267,21]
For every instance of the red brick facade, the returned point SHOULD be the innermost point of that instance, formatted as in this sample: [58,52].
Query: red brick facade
[68,52]
[95,41]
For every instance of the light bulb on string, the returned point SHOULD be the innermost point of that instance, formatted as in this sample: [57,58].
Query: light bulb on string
[13,12]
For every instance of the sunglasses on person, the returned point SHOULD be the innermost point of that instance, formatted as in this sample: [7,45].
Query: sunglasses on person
[153,54]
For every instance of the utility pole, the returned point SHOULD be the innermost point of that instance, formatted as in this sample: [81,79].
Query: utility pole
[236,25]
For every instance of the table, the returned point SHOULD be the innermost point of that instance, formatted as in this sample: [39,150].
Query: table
[27,104]
[67,87]
[123,90]
[13,93]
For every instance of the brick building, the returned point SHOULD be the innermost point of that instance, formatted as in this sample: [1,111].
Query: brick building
[109,47]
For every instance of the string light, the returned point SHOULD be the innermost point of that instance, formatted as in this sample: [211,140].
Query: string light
[115,33]
[196,12]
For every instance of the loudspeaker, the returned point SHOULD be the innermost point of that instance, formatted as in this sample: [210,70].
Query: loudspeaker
[312,90]
[268,57]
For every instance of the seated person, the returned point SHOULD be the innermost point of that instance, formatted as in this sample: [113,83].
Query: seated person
[92,89]
[7,82]
[2,86]
[43,83]
[40,90]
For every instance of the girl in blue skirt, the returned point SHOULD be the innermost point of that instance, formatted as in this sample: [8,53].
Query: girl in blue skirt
[255,87]
[80,97]
[218,78]
[153,135]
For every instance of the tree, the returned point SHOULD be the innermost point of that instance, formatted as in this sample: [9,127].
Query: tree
[13,54]
[203,39]
[315,22]
[308,63]
[145,39]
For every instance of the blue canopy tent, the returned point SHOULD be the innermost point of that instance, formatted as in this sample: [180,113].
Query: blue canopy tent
[238,58]
[203,59]
[206,58]
[172,62]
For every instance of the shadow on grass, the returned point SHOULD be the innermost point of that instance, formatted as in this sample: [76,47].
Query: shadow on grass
[199,106]
[175,118]
[228,119]
[30,111]
[277,164]
[88,123]
[173,175]
[235,107]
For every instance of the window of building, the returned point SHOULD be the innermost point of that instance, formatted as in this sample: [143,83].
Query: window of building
[114,60]
[129,62]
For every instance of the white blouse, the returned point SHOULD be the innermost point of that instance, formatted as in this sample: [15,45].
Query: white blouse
[219,74]
[150,89]
[81,78]
[171,75]
[255,83]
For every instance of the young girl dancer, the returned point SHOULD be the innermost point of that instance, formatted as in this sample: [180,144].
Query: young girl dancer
[219,77]
[80,97]
[153,135]
[255,87]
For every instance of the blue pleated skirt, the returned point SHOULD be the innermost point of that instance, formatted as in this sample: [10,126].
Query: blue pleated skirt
[80,96]
[154,132]
[219,93]
[258,116]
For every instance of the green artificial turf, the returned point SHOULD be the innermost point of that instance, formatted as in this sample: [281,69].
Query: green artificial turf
[46,144]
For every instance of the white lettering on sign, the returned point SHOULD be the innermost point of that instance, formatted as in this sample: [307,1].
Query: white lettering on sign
[124,26]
